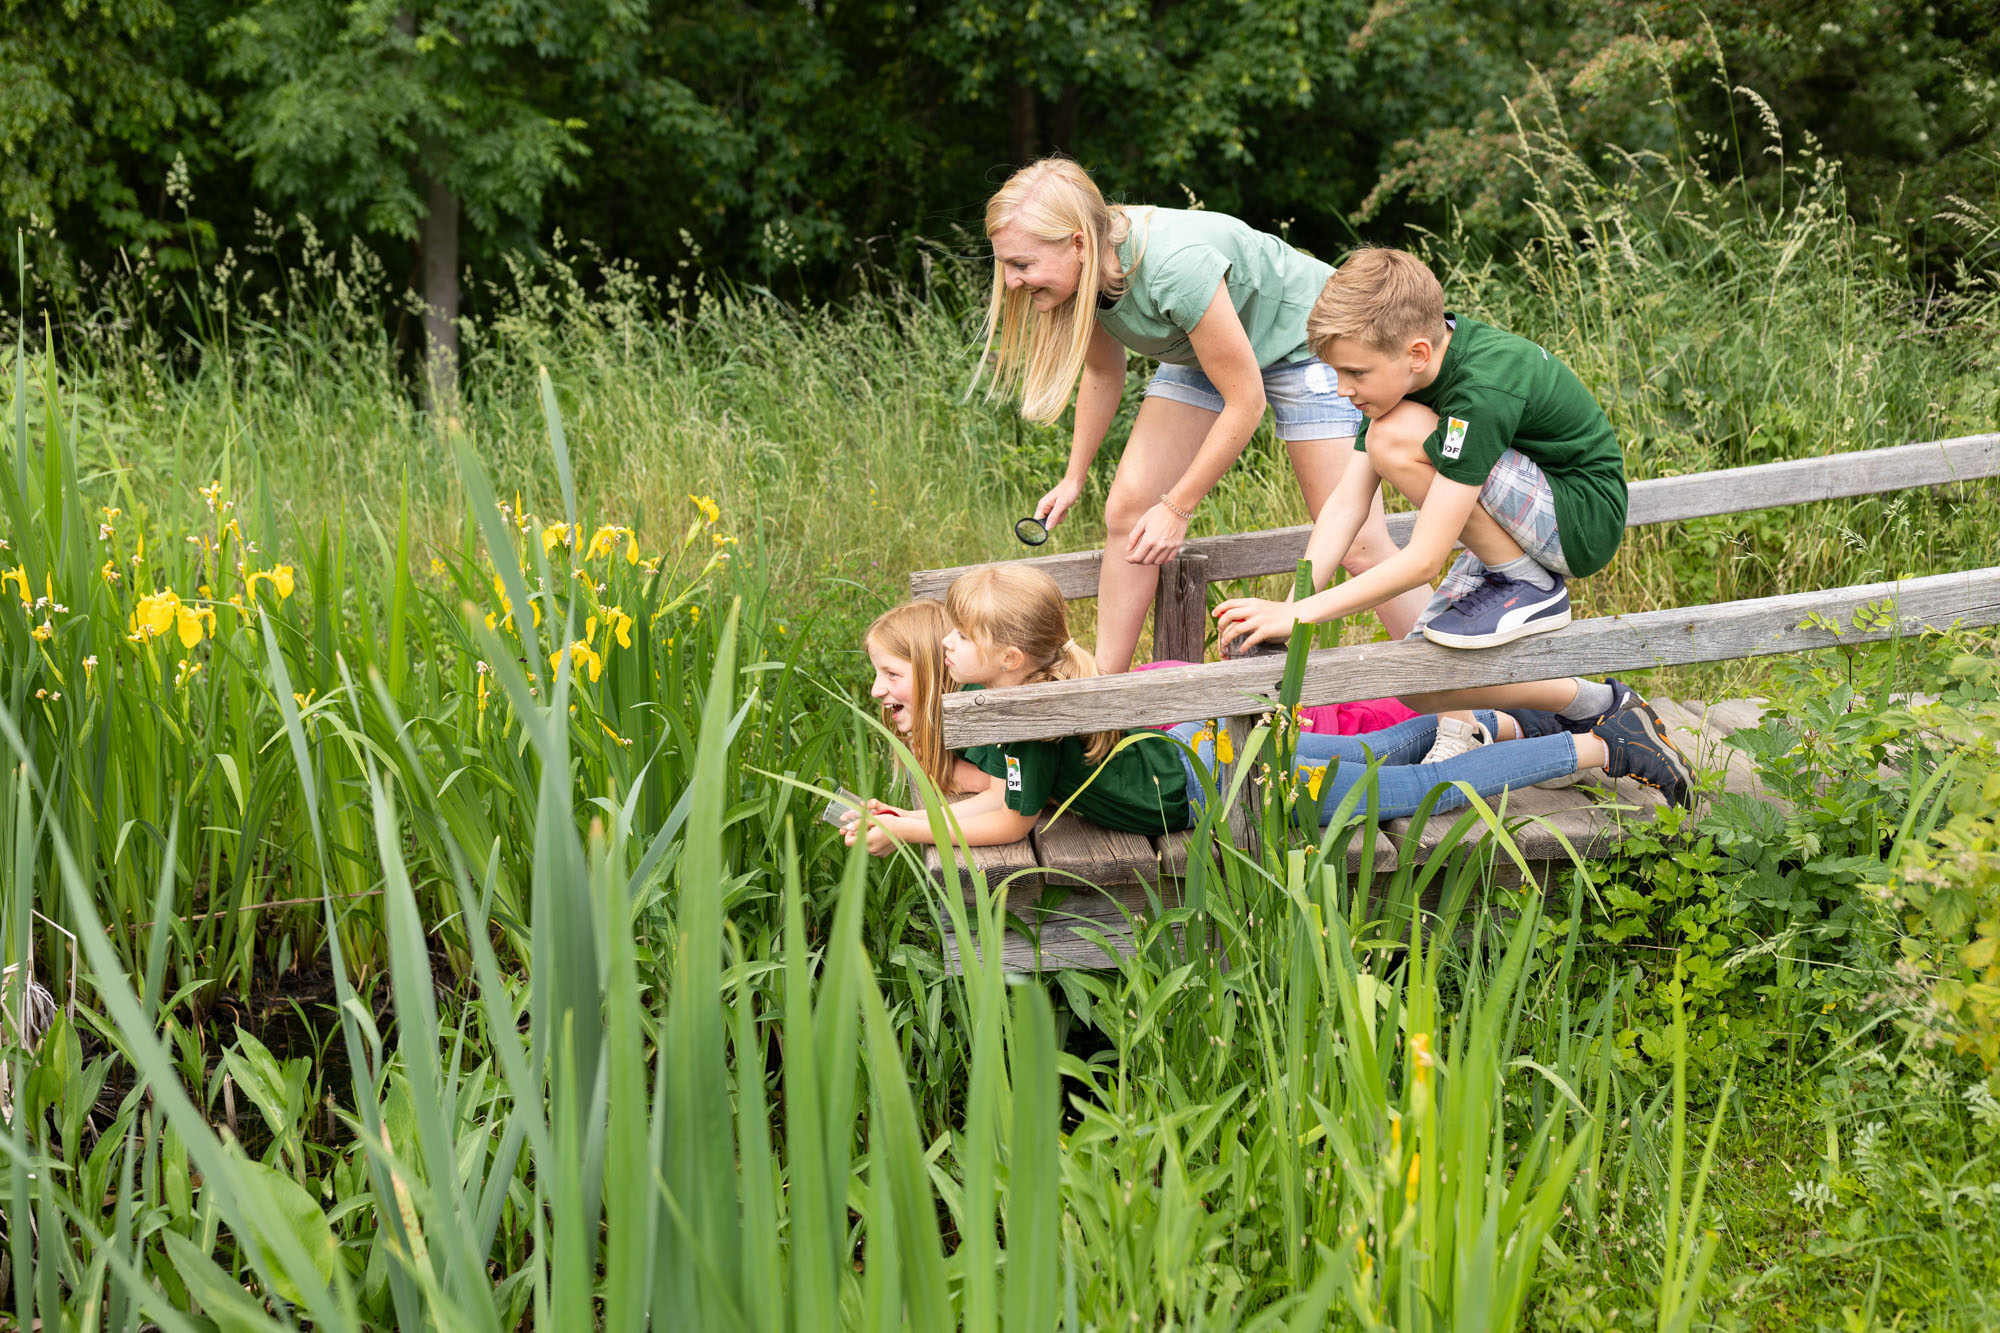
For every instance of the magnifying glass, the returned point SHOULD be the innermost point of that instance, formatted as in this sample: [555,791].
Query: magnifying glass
[1031,531]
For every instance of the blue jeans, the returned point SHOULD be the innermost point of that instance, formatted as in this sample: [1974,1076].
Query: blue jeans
[1403,780]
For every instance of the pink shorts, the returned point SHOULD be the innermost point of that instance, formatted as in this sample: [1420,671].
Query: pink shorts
[1350,719]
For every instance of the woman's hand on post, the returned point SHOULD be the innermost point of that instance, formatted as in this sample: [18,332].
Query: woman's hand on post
[1253,620]
[1057,502]
[1157,536]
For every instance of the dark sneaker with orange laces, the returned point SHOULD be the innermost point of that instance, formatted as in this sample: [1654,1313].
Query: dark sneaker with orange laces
[1623,696]
[1637,743]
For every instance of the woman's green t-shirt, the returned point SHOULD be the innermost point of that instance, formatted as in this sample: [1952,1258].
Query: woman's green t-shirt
[1182,256]
[1140,789]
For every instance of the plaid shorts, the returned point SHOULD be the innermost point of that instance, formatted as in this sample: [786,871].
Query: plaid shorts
[1518,496]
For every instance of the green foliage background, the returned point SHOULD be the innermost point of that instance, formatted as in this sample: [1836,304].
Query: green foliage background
[795,144]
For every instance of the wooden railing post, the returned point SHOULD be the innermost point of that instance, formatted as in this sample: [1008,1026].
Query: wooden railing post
[1180,609]
[1244,814]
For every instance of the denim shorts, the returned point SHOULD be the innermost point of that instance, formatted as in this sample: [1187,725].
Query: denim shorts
[1301,393]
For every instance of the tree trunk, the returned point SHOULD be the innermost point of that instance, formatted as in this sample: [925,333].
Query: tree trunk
[1062,121]
[1022,140]
[439,246]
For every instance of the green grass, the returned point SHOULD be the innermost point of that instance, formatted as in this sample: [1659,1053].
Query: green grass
[1717,334]
[426,978]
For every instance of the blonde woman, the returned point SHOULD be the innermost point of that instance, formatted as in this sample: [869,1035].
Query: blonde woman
[1222,307]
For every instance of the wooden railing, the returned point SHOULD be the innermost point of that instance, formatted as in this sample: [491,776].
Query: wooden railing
[1750,628]
[1243,555]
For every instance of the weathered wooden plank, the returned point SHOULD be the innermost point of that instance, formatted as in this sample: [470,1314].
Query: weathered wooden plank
[1083,851]
[1804,480]
[1702,731]
[1066,933]
[1659,500]
[1174,850]
[1575,812]
[1242,815]
[1180,609]
[1054,949]
[1101,903]
[1735,714]
[1749,628]
[998,861]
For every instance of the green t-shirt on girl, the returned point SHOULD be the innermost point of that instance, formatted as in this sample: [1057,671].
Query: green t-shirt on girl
[1182,257]
[1497,391]
[1140,789]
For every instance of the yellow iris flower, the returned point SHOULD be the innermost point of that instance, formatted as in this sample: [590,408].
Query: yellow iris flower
[710,511]
[605,540]
[18,574]
[160,611]
[582,658]
[278,576]
[507,607]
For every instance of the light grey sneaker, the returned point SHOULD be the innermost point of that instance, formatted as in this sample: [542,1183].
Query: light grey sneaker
[1454,738]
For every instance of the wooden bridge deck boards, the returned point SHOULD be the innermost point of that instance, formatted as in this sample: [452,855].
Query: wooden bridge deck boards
[1588,815]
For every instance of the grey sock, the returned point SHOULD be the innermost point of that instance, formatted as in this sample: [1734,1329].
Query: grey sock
[1527,571]
[1593,697]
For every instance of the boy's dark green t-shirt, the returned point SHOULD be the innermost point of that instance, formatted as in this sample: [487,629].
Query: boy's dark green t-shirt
[1140,789]
[1496,391]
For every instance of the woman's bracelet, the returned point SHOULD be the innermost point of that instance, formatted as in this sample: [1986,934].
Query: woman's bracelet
[1185,515]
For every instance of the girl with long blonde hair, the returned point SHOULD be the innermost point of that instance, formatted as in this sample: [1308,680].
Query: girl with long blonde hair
[1079,283]
[905,645]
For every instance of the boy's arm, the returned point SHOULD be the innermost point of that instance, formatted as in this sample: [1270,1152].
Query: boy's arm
[1339,520]
[1440,519]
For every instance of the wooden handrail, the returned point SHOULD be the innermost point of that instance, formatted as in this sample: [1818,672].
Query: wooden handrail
[1662,500]
[1751,628]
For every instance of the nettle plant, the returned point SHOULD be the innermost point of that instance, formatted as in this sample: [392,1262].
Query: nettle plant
[1872,825]
[1947,867]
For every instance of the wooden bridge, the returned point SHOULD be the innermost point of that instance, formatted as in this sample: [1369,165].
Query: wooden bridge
[1114,869]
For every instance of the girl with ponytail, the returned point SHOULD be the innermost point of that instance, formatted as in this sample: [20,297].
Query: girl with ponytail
[1079,283]
[1008,627]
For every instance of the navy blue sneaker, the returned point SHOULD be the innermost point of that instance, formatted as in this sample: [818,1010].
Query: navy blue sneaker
[1500,610]
[1537,722]
[1623,696]
[1637,745]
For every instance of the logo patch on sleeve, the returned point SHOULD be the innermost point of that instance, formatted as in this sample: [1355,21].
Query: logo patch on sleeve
[1454,437]
[1013,773]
